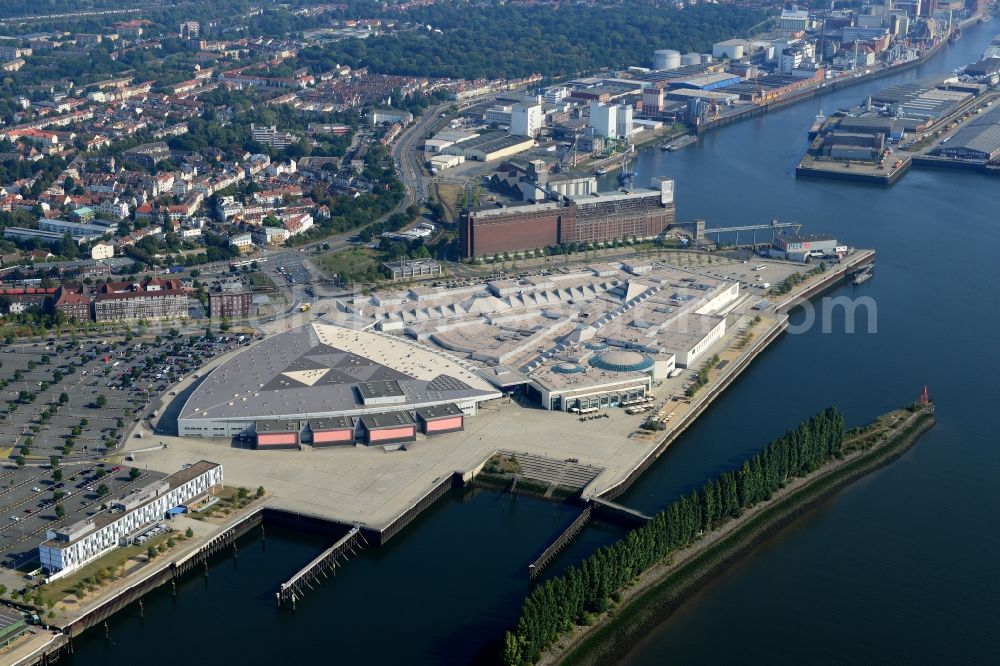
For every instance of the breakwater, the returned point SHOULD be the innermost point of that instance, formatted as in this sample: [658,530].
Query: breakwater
[701,564]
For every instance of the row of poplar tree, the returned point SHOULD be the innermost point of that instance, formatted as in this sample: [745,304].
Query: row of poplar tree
[563,601]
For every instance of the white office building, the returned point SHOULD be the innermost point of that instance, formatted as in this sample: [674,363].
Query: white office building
[498,115]
[555,95]
[794,20]
[526,119]
[70,547]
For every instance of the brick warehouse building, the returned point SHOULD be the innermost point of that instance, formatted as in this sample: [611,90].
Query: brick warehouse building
[607,216]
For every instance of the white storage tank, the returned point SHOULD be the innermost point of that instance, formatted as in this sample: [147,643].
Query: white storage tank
[666,59]
[691,59]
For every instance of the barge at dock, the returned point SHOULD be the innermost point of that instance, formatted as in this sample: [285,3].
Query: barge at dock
[679,143]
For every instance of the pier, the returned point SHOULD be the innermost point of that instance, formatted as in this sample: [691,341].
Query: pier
[293,589]
[774,228]
[535,568]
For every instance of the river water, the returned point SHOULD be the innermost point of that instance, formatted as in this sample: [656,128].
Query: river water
[898,568]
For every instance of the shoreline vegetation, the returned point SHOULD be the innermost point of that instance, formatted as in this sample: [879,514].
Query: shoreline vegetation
[596,611]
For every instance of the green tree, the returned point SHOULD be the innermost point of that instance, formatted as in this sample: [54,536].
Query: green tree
[101,401]
[134,473]
[189,533]
[151,552]
[260,491]
[19,461]
[57,475]
[102,490]
[60,511]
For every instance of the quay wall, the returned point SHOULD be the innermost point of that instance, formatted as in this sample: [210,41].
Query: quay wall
[856,176]
[698,406]
[168,570]
[834,274]
[829,279]
[817,91]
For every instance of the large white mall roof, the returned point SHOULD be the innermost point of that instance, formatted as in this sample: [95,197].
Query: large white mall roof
[314,370]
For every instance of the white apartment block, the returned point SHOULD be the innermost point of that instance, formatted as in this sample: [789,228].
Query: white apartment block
[270,136]
[116,209]
[68,548]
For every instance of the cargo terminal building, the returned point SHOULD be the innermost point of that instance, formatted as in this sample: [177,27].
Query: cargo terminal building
[327,385]
[592,218]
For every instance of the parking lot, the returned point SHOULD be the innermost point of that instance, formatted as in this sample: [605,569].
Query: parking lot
[30,498]
[65,405]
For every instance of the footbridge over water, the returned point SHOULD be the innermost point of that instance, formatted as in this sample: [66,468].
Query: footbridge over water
[618,513]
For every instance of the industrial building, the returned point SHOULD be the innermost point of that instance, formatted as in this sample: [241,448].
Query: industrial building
[411,268]
[793,20]
[988,69]
[592,218]
[611,121]
[706,81]
[804,248]
[979,140]
[731,49]
[526,119]
[380,116]
[49,237]
[77,230]
[666,59]
[320,372]
[490,146]
[446,139]
[921,104]
[69,547]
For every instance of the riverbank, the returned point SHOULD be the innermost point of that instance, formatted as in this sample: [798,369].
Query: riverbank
[747,111]
[661,590]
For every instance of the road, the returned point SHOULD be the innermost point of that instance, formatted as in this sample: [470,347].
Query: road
[409,172]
